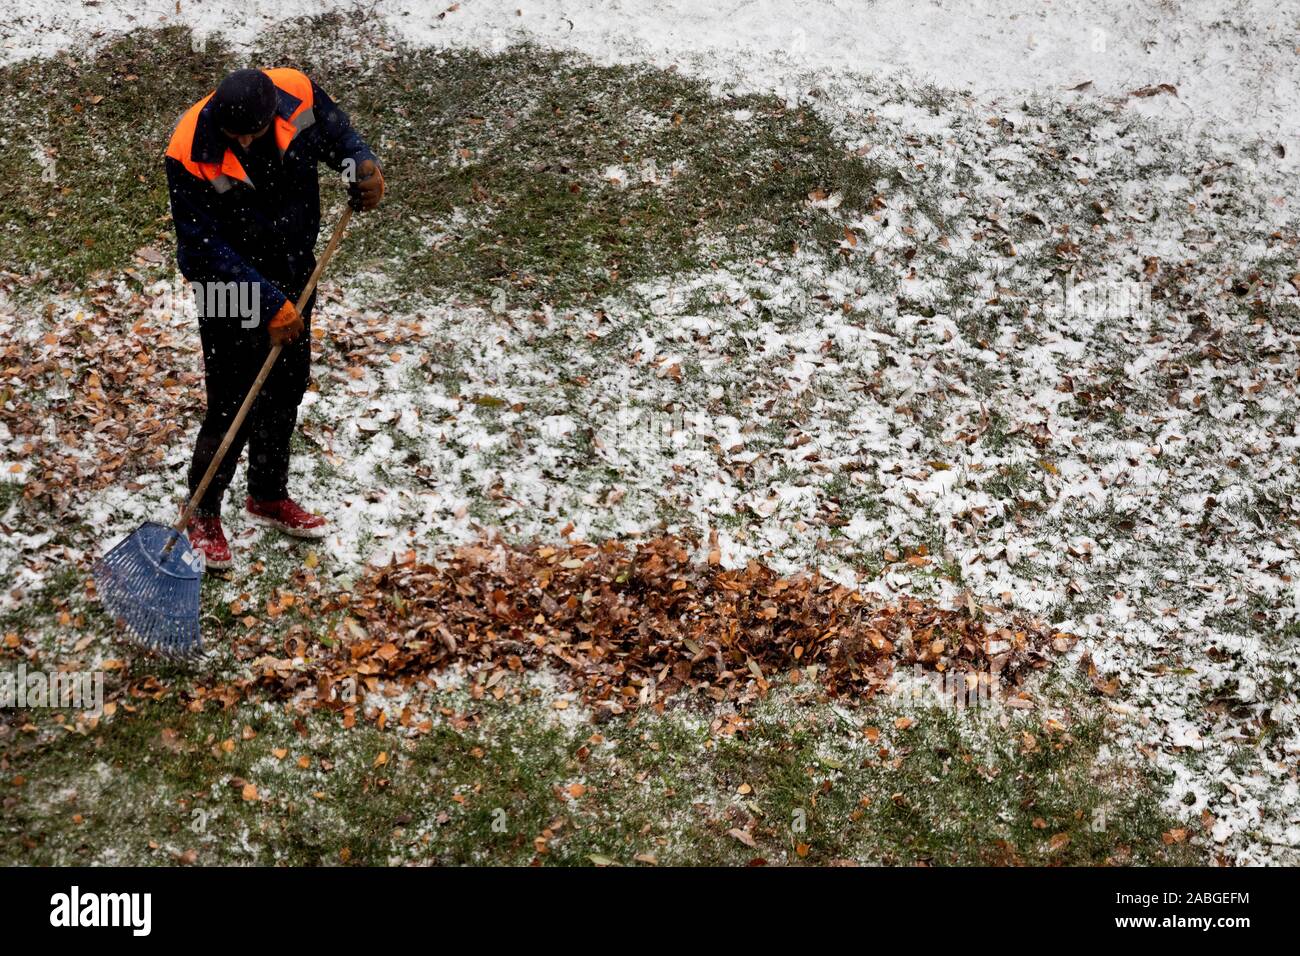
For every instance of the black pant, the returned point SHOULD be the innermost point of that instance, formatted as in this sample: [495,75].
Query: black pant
[232,357]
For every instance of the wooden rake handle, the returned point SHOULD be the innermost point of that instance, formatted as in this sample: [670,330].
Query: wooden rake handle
[258,383]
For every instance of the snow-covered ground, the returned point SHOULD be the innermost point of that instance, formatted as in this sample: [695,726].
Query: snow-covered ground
[1150,446]
[1233,62]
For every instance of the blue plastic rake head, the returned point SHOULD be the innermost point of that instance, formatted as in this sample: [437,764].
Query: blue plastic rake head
[150,583]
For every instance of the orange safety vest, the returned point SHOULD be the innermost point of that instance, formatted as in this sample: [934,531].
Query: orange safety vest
[294,114]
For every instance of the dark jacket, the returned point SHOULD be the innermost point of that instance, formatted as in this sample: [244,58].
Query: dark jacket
[254,216]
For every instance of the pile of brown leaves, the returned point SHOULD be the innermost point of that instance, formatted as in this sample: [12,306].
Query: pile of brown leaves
[635,624]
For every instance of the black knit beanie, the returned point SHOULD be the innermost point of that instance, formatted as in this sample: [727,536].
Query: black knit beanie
[244,102]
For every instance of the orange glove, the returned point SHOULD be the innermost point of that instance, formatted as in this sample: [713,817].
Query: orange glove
[286,325]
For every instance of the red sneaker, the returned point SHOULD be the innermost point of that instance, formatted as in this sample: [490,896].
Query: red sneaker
[288,517]
[206,535]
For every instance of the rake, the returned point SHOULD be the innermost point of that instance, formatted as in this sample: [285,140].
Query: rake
[147,583]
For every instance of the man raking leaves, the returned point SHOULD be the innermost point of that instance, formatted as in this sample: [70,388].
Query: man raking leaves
[245,197]
[241,169]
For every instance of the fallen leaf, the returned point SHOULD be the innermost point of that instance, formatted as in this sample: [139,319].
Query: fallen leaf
[743,836]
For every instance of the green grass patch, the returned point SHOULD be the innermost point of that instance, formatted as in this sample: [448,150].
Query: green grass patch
[496,165]
[82,183]
[509,782]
